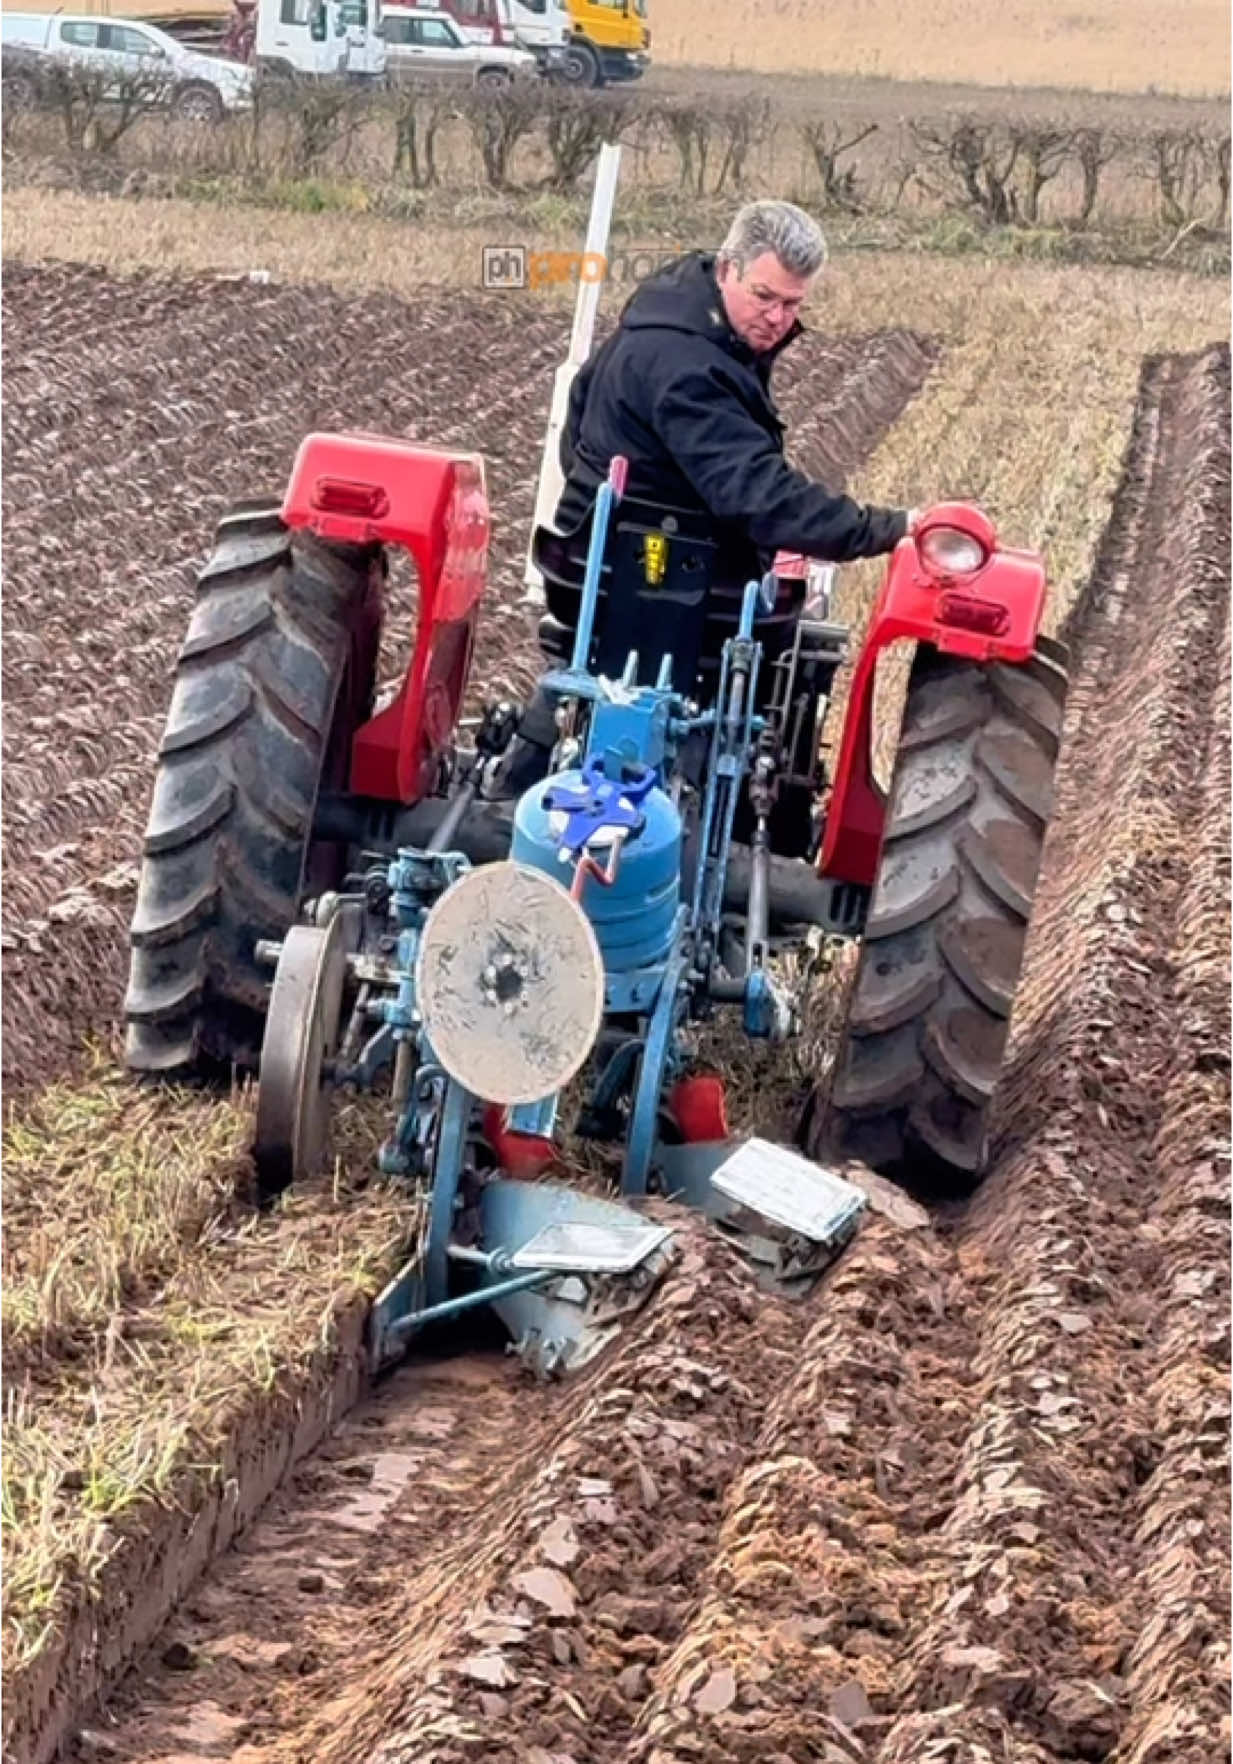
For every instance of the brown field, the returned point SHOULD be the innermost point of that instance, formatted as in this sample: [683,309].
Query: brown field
[969,1502]
[1101,46]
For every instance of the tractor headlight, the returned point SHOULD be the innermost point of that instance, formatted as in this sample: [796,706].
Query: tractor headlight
[947,551]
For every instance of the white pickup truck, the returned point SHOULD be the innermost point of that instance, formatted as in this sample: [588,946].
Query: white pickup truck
[132,59]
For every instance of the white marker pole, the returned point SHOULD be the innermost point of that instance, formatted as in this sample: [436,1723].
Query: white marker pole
[590,288]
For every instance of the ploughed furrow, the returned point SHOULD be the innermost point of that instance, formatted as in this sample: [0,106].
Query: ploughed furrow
[604,1553]
[827,1551]
[413,1487]
[55,304]
[1177,1670]
[1001,1604]
[1033,1629]
[988,1517]
[489,1550]
[117,469]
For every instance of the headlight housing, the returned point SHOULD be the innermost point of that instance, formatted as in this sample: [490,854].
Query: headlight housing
[947,551]
[954,541]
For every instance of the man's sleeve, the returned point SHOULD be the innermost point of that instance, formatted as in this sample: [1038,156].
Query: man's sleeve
[742,477]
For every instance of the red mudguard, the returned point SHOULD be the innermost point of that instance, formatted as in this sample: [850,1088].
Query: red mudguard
[990,615]
[361,489]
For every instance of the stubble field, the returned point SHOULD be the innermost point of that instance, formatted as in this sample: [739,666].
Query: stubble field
[1103,46]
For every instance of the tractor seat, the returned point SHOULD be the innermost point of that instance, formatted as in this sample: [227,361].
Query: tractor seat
[661,591]
[656,571]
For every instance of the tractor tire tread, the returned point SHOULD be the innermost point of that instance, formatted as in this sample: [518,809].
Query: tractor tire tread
[916,1069]
[279,622]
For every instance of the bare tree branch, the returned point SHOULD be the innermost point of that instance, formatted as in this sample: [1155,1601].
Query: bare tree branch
[827,143]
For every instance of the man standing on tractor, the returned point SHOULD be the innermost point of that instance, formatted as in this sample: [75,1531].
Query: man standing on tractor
[681,389]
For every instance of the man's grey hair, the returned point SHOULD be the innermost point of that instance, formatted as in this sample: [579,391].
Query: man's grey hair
[794,236]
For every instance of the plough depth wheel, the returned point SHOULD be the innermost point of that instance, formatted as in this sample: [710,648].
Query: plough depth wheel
[291,1136]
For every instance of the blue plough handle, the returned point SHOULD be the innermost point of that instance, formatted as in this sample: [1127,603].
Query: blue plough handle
[610,493]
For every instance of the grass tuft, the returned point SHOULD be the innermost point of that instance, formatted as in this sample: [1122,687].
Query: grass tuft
[146,1306]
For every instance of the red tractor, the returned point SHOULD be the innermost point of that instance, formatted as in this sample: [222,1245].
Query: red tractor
[277,783]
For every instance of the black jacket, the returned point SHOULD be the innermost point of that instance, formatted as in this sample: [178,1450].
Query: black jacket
[688,403]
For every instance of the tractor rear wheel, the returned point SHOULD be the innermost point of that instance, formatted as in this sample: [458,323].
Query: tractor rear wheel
[931,1000]
[276,672]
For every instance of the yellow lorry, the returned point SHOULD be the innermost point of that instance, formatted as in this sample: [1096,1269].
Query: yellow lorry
[608,40]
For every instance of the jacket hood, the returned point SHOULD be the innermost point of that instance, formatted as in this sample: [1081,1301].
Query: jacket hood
[684,296]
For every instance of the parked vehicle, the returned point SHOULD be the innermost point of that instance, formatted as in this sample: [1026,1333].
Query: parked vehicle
[541,26]
[586,42]
[609,41]
[316,38]
[132,59]
[579,42]
[320,37]
[426,40]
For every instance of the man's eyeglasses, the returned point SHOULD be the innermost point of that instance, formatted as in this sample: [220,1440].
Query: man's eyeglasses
[768,300]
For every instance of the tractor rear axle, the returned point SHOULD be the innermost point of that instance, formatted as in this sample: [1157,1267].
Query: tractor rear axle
[797,896]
